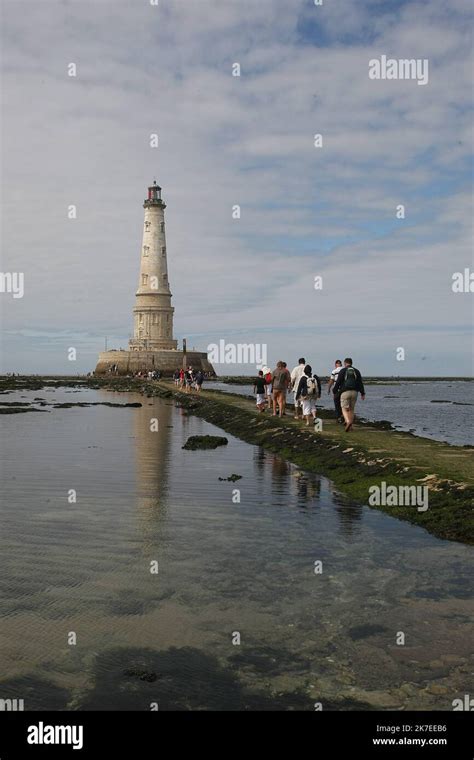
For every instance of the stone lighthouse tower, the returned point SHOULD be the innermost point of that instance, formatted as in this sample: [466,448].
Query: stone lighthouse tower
[152,346]
[153,313]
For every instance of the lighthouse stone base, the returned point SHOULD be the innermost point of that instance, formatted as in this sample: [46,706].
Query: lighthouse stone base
[166,361]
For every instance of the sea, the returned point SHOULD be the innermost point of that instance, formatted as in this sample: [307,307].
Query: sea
[136,576]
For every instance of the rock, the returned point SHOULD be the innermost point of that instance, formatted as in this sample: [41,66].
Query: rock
[14,403]
[377,699]
[232,478]
[19,410]
[436,688]
[196,442]
[364,631]
[409,690]
[143,675]
[453,659]
[345,678]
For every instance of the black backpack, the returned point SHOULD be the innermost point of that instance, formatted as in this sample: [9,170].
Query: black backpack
[350,379]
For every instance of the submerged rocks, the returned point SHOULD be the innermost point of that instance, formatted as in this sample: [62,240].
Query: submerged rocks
[69,405]
[143,675]
[232,478]
[19,410]
[365,630]
[196,442]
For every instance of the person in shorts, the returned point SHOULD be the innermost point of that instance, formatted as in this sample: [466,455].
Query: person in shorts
[349,384]
[267,376]
[259,390]
[280,381]
[188,379]
[296,375]
[308,391]
[198,380]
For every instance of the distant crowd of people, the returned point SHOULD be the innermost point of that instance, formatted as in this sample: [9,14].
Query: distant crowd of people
[189,379]
[154,374]
[345,384]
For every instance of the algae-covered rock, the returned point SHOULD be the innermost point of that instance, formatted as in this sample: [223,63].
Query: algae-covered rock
[143,675]
[19,409]
[196,442]
[232,478]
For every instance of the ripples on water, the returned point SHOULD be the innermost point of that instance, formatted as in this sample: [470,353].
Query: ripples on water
[224,568]
[440,410]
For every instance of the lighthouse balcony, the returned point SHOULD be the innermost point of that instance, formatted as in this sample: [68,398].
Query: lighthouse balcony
[152,344]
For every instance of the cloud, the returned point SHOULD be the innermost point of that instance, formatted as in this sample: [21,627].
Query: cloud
[245,140]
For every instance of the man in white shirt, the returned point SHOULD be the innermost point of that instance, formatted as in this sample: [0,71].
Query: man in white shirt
[296,375]
[337,396]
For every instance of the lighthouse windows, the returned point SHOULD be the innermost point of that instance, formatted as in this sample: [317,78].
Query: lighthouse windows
[144,279]
[147,226]
[146,250]
[163,250]
[162,226]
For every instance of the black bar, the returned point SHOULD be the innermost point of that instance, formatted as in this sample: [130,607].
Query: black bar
[317,734]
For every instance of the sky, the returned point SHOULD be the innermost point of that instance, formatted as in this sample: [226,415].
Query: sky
[248,140]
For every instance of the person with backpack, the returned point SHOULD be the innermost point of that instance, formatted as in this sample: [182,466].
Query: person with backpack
[267,376]
[280,380]
[331,384]
[296,375]
[349,384]
[308,391]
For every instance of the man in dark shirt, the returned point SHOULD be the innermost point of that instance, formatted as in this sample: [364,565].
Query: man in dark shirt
[259,390]
[198,379]
[349,384]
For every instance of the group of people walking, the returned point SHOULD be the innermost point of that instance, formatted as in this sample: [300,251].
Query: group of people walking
[154,374]
[189,379]
[345,384]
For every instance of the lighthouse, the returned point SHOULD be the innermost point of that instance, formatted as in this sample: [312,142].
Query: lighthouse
[153,313]
[153,346]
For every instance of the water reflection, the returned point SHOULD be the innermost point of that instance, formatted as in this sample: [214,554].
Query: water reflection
[349,513]
[308,489]
[151,425]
